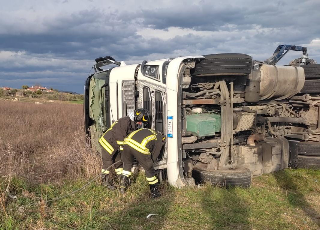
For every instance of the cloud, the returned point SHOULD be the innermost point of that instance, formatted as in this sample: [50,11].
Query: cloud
[60,39]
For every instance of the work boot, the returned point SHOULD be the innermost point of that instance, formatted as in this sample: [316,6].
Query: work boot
[154,189]
[124,183]
[118,175]
[106,182]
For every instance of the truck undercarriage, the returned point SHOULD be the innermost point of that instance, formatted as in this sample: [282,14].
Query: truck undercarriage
[234,118]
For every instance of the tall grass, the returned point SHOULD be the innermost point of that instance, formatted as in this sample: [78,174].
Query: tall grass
[44,142]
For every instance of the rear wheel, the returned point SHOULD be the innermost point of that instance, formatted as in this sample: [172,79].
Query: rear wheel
[308,162]
[312,71]
[309,149]
[240,177]
[312,83]
[222,64]
[304,154]
[311,86]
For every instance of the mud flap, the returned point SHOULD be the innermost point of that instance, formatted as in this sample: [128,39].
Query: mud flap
[275,154]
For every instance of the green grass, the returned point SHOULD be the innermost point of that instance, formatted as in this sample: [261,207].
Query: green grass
[289,199]
[76,102]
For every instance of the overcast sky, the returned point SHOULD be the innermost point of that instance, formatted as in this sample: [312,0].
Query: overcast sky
[54,42]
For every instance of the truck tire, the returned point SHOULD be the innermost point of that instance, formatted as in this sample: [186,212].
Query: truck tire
[293,153]
[304,154]
[312,71]
[311,86]
[308,162]
[222,64]
[309,149]
[240,177]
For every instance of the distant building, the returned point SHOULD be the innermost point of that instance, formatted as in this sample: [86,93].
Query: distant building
[6,88]
[38,87]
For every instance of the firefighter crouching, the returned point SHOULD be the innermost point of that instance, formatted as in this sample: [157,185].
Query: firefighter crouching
[145,145]
[110,142]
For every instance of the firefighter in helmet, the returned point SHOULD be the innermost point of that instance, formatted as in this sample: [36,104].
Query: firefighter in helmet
[145,145]
[111,142]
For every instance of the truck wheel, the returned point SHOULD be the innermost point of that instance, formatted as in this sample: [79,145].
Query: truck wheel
[308,162]
[304,154]
[240,177]
[309,149]
[217,64]
[312,71]
[311,86]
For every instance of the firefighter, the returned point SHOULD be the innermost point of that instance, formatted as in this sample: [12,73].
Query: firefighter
[145,145]
[111,142]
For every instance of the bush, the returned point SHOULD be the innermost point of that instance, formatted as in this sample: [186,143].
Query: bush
[39,92]
[27,93]
[12,92]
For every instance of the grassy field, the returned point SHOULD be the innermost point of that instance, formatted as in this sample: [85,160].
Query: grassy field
[49,180]
[44,142]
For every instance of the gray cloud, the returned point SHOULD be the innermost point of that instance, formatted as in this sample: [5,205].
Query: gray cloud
[60,39]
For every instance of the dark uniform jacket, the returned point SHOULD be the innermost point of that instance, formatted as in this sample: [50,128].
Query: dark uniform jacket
[119,130]
[146,141]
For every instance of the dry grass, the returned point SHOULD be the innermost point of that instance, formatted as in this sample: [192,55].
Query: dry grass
[44,142]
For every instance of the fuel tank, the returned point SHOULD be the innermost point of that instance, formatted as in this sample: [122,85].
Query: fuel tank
[280,82]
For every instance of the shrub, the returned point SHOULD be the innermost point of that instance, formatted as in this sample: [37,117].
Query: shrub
[27,93]
[39,92]
[12,92]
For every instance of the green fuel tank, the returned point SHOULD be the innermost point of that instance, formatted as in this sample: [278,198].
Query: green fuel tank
[203,124]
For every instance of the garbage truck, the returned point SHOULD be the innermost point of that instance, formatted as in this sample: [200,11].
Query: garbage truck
[227,117]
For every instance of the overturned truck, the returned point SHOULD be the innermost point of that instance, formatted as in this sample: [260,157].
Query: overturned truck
[227,117]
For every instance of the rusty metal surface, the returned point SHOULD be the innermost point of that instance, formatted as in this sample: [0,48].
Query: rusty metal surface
[254,137]
[189,140]
[206,145]
[245,121]
[311,115]
[201,102]
[283,120]
[221,74]
[209,101]
[288,120]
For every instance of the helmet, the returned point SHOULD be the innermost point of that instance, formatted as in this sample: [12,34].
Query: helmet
[142,115]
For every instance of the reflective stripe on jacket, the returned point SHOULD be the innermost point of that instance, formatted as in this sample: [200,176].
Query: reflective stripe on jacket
[106,145]
[116,133]
[145,141]
[119,130]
